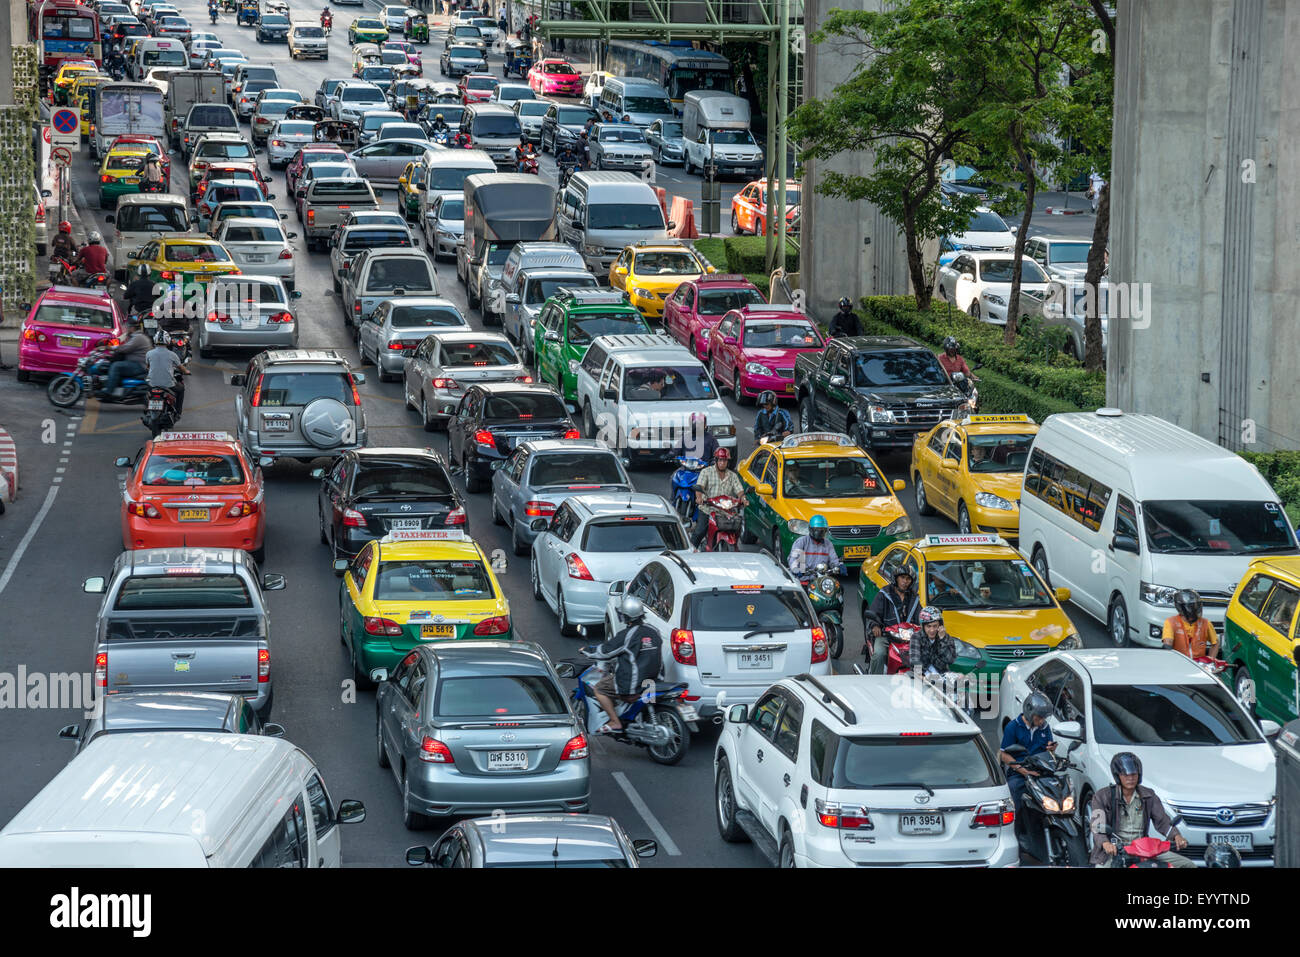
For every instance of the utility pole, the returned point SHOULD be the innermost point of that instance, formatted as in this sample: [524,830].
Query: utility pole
[781,142]
[773,94]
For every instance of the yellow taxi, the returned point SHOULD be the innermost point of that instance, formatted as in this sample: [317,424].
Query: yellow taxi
[994,604]
[186,262]
[650,272]
[971,470]
[119,174]
[81,97]
[68,71]
[415,586]
[1261,640]
[408,191]
[821,473]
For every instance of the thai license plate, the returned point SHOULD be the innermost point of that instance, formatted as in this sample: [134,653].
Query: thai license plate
[72,342]
[193,514]
[277,425]
[250,323]
[437,631]
[688,712]
[857,551]
[755,659]
[920,823]
[155,405]
[132,180]
[1235,840]
[256,259]
[405,523]
[507,761]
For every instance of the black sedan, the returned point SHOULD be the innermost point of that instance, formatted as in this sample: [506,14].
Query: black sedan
[494,417]
[367,493]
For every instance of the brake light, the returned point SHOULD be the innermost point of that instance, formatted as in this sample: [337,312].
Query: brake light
[382,626]
[31,335]
[573,434]
[493,626]
[484,437]
[101,670]
[353,519]
[575,749]
[286,254]
[820,650]
[396,346]
[142,510]
[263,666]
[524,378]
[356,396]
[849,817]
[40,212]
[240,509]
[280,317]
[996,814]
[219,317]
[456,516]
[683,646]
[311,217]
[443,383]
[167,274]
[105,178]
[277,142]
[577,567]
[257,393]
[539,509]
[914,734]
[433,750]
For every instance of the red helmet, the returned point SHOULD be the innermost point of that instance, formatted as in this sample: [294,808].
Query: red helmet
[65,227]
[722,454]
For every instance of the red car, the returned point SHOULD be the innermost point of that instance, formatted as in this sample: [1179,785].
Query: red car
[554,75]
[476,87]
[694,309]
[64,325]
[150,143]
[752,349]
[300,158]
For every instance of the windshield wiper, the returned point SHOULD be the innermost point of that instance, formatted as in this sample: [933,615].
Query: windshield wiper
[769,631]
[907,784]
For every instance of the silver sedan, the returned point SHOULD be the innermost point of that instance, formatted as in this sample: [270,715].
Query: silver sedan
[446,363]
[444,225]
[395,327]
[543,840]
[287,137]
[248,312]
[384,162]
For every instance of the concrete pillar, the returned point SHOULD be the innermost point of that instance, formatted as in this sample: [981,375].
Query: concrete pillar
[18,113]
[1204,209]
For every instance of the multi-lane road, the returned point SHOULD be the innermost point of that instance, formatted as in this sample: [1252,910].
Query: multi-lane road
[66,527]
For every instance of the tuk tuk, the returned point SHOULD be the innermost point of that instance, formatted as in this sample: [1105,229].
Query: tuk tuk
[416,28]
[346,134]
[519,58]
[407,71]
[310,113]
[248,13]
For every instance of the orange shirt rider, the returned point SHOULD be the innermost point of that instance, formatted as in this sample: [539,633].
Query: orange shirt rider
[1193,639]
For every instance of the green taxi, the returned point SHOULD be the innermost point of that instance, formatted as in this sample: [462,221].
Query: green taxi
[1260,640]
[119,174]
[367,30]
[568,323]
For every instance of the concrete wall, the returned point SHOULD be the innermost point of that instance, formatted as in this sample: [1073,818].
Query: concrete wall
[1205,101]
[834,261]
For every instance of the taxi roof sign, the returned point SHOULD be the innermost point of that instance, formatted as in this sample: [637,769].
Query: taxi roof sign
[194,437]
[426,535]
[807,438]
[963,540]
[998,420]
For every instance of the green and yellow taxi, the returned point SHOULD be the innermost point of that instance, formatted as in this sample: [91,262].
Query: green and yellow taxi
[568,323]
[415,586]
[83,98]
[994,604]
[69,70]
[184,262]
[650,272]
[119,174]
[1260,640]
[367,30]
[408,191]
[971,470]
[821,473]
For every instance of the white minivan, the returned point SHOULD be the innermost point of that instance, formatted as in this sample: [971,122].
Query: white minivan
[1125,509]
[196,799]
[601,213]
[141,217]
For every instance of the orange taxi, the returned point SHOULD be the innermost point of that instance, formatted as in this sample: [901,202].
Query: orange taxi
[193,488]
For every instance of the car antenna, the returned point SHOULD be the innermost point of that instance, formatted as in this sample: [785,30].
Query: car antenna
[555,851]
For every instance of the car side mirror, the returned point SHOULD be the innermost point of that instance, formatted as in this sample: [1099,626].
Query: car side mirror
[1295,653]
[539,525]
[738,714]
[1062,594]
[359,378]
[297,293]
[644,847]
[1124,543]
[351,812]
[617,588]
[317,473]
[272,730]
[763,489]
[418,856]
[512,298]
[379,675]
[70,732]
[273,583]
[238,380]
[270,196]
[421,187]
[565,669]
[94,586]
[497,465]
[609,393]
[122,462]
[836,380]
[46,192]
[949,464]
[552,336]
[621,271]
[967,277]
[1074,746]
[1071,730]
[1270,728]
[340,566]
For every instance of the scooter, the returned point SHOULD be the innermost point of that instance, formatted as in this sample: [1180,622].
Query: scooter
[212,15]
[67,276]
[160,411]
[327,21]
[683,487]
[724,524]
[967,388]
[1048,809]
[899,638]
[1140,853]
[827,597]
[89,375]
[528,164]
[441,138]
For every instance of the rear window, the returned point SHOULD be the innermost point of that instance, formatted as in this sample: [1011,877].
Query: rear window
[498,695]
[448,177]
[238,290]
[308,32]
[780,609]
[633,534]
[226,150]
[143,592]
[299,388]
[254,234]
[297,128]
[398,479]
[359,239]
[192,470]
[68,314]
[478,354]
[161,218]
[194,252]
[225,194]
[275,107]
[430,580]
[413,275]
[176,57]
[909,763]
[362,94]
[524,405]
[575,468]
[413,317]
[718,301]
[212,116]
[347,192]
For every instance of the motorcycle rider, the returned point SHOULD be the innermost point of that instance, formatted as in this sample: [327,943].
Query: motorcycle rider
[523,154]
[698,442]
[439,125]
[814,548]
[1188,632]
[634,653]
[127,360]
[952,361]
[92,259]
[64,246]
[714,481]
[772,421]
[1031,732]
[1122,812]
[898,604]
[141,292]
[934,649]
[845,322]
[162,366]
[212,10]
[326,18]
[151,176]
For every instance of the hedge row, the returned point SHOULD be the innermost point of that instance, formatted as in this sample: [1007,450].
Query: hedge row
[1282,471]
[1053,377]
[748,254]
[726,253]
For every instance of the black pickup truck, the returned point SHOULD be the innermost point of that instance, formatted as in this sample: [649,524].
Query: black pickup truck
[880,390]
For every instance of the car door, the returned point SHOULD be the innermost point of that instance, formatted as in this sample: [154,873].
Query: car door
[751,474]
[457,426]
[928,458]
[673,313]
[722,352]
[1275,667]
[558,544]
[510,500]
[754,747]
[946,489]
[331,494]
[354,585]
[775,775]
[325,826]
[393,705]
[548,348]
[417,370]
[836,398]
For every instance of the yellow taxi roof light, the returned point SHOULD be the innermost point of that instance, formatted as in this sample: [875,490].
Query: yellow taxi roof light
[808,438]
[931,540]
[426,535]
[998,420]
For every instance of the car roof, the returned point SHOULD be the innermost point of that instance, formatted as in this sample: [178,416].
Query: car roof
[145,561]
[504,388]
[1130,666]
[542,838]
[880,343]
[247,221]
[604,504]
[872,704]
[430,548]
[325,356]
[153,708]
[545,446]
[426,301]
[1281,564]
[396,452]
[468,335]
[738,568]
[461,658]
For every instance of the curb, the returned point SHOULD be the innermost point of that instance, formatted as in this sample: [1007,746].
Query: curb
[8,468]
[1053,211]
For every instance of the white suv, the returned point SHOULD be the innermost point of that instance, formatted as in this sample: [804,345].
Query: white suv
[732,622]
[861,770]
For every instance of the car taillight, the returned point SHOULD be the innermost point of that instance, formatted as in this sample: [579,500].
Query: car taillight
[396,346]
[356,307]
[105,178]
[996,814]
[220,317]
[311,216]
[353,519]
[820,650]
[849,817]
[346,264]
[456,516]
[524,378]
[493,626]
[257,392]
[683,646]
[286,254]
[277,142]
[484,437]
[31,335]
[280,317]
[101,670]
[433,750]
[575,749]
[263,666]
[167,274]
[356,396]
[142,510]
[40,212]
[240,509]
[577,567]
[573,434]
[539,509]
[382,626]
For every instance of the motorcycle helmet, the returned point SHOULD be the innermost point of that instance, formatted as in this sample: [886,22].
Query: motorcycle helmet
[1222,855]
[65,227]
[1126,762]
[898,573]
[930,614]
[94,238]
[631,608]
[846,303]
[439,118]
[1036,704]
[768,397]
[1188,604]
[950,344]
[817,526]
[142,271]
[722,455]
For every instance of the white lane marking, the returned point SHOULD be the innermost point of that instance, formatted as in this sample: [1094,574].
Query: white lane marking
[27,539]
[647,815]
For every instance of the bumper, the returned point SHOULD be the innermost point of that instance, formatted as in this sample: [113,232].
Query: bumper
[112,191]
[216,337]
[445,244]
[391,362]
[672,154]
[890,437]
[282,155]
[276,269]
[585,601]
[322,52]
[843,546]
[444,791]
[751,384]
[33,360]
[997,521]
[252,443]
[650,308]
[248,534]
[561,89]
[734,691]
[822,848]
[747,167]
[442,405]
[630,164]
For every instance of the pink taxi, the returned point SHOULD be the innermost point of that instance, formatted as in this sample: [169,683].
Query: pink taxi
[66,323]
[752,349]
[692,311]
[554,75]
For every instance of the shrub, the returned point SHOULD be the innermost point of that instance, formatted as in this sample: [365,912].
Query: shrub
[1282,471]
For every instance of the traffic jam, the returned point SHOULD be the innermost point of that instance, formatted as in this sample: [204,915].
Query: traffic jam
[421,478]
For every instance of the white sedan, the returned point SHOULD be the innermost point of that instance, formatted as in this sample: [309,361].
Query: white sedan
[964,279]
[260,247]
[285,139]
[1201,752]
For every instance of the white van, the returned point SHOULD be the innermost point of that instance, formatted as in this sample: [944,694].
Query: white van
[602,213]
[641,101]
[196,799]
[445,171]
[1124,510]
[141,217]
[157,52]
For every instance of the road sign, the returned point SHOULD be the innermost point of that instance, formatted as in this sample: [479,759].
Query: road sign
[61,155]
[45,132]
[65,127]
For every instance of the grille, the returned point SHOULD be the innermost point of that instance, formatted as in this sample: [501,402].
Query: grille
[1014,652]
[911,415]
[1206,815]
[1196,852]
[1215,599]
[785,373]
[854,531]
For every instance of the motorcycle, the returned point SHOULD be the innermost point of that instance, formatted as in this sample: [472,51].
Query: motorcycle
[566,171]
[657,719]
[442,137]
[89,375]
[160,411]
[212,15]
[967,388]
[899,638]
[827,597]
[327,22]
[1140,853]
[683,487]
[1048,808]
[724,524]
[528,163]
[66,275]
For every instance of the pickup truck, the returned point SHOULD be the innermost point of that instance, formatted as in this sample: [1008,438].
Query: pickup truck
[880,390]
[328,202]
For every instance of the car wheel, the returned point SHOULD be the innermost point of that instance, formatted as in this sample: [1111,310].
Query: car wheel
[381,755]
[735,223]
[361,678]
[567,628]
[474,484]
[975,310]
[1039,561]
[535,578]
[588,422]
[963,519]
[496,515]
[923,506]
[785,854]
[741,398]
[320,522]
[724,805]
[412,820]
[806,417]
[1243,686]
[1117,622]
[517,544]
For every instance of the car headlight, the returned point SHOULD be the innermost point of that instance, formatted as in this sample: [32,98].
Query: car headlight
[757,368]
[643,293]
[1158,594]
[573,366]
[721,430]
[899,526]
[1069,642]
[880,414]
[989,500]
[995,300]
[797,526]
[704,333]
[593,250]
[965,649]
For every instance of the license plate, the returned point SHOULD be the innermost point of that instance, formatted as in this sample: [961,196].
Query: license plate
[151,324]
[181,665]
[405,523]
[255,259]
[688,712]
[155,405]
[276,425]
[507,761]
[755,659]
[437,631]
[132,180]
[920,823]
[1234,840]
[192,514]
[72,342]
[250,323]
[857,551]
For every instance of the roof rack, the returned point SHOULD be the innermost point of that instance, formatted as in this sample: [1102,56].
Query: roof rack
[673,556]
[830,697]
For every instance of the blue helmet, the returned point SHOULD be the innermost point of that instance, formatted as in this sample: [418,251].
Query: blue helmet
[817,526]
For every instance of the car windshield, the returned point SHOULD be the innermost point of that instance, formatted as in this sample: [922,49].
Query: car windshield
[144,217]
[717,302]
[832,477]
[667,384]
[70,314]
[1206,527]
[1169,715]
[253,234]
[737,138]
[431,580]
[359,239]
[309,31]
[496,124]
[533,107]
[570,469]
[193,470]
[478,354]
[647,104]
[587,326]
[539,290]
[452,210]
[450,177]
[626,134]
[671,131]
[496,695]
[250,210]
[984,583]
[897,368]
[633,533]
[986,222]
[164,58]
[573,115]
[912,763]
[997,453]
[411,274]
[362,94]
[395,478]
[298,388]
[497,255]
[999,270]
[666,264]
[1058,253]
[195,253]
[625,216]
[791,196]
[781,335]
[523,405]
[559,69]
[763,610]
[412,317]
[275,19]
[183,588]
[296,128]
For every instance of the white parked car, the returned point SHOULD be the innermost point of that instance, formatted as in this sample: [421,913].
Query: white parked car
[594,86]
[1202,754]
[1062,257]
[260,247]
[966,279]
[987,231]
[856,770]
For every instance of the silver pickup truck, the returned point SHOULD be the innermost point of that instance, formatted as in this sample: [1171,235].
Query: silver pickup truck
[191,619]
[328,202]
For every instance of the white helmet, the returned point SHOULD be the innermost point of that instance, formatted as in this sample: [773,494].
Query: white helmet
[631,608]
